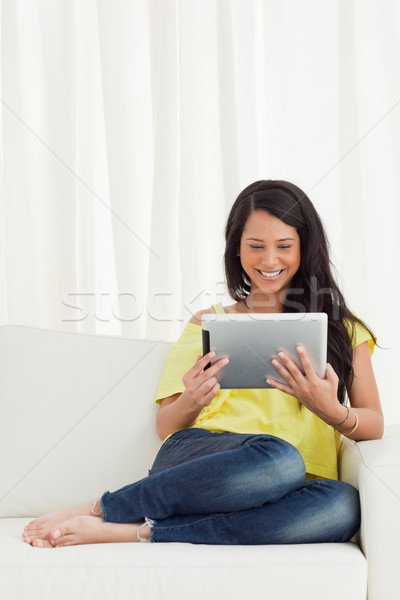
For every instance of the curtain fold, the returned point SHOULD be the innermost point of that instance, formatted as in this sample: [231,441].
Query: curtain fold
[128,129]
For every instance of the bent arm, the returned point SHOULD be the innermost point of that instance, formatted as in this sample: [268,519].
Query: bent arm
[176,412]
[180,411]
[364,400]
[363,421]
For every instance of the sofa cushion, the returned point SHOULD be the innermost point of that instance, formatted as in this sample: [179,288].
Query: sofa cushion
[77,416]
[179,571]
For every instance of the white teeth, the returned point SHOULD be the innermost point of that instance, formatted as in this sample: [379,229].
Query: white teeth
[270,274]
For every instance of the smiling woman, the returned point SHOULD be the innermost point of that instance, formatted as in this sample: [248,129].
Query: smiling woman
[271,263]
[270,211]
[247,466]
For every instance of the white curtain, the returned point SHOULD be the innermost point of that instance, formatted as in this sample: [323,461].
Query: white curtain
[129,127]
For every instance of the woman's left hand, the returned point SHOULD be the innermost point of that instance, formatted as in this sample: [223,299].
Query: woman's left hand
[318,395]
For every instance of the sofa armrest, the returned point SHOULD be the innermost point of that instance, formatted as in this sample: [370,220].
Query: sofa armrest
[373,467]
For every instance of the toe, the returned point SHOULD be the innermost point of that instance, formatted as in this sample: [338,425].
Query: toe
[34,530]
[56,533]
[61,533]
[64,540]
[36,524]
[67,542]
[39,543]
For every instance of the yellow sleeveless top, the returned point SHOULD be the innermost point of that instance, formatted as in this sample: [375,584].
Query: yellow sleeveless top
[257,411]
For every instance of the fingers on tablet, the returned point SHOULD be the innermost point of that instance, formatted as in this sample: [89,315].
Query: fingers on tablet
[205,360]
[218,365]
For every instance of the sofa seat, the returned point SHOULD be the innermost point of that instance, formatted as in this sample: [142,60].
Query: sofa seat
[77,417]
[178,571]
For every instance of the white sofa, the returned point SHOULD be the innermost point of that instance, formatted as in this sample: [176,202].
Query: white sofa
[77,417]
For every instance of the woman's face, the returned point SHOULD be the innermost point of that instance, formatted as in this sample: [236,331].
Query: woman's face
[270,255]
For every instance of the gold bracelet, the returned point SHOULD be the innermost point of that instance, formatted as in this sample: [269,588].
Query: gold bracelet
[355,426]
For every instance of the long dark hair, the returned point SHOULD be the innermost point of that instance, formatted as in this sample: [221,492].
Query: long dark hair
[313,288]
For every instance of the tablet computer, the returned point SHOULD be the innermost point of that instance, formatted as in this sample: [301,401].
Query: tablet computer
[252,340]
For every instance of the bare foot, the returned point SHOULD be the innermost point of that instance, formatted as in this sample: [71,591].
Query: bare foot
[86,530]
[40,528]
[38,543]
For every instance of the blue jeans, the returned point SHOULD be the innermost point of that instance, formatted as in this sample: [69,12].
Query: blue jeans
[229,488]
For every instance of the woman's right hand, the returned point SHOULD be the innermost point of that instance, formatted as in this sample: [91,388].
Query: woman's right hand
[201,385]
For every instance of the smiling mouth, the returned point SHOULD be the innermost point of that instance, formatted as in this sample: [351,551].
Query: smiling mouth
[271,275]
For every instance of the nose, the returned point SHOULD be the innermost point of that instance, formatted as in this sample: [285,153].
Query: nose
[270,259]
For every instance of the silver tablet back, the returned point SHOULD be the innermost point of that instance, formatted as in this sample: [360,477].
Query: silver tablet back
[251,340]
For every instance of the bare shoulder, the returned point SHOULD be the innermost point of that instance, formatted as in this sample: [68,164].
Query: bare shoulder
[196,318]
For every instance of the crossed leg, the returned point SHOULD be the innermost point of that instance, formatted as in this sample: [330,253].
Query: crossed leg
[243,471]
